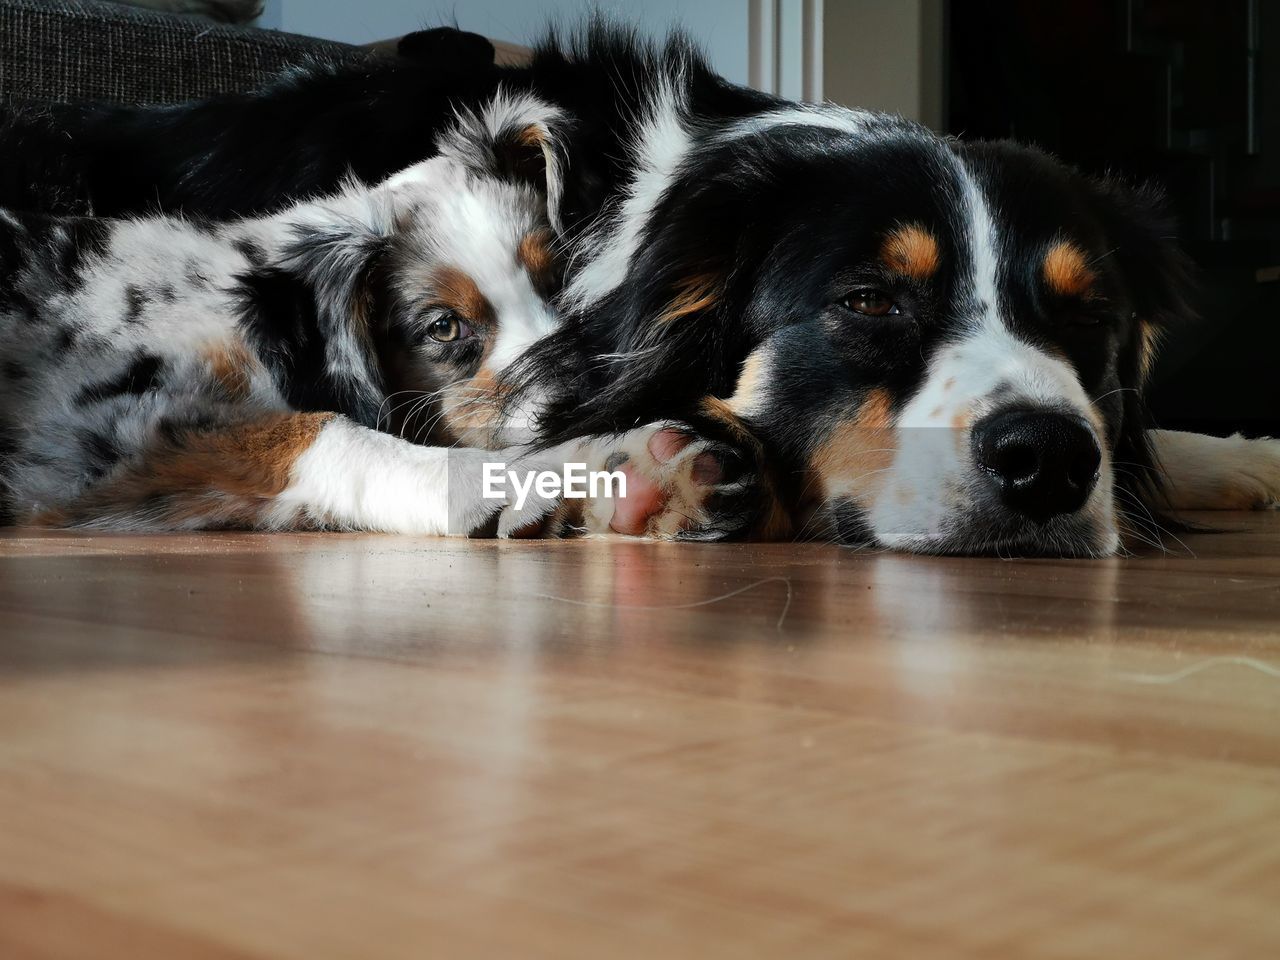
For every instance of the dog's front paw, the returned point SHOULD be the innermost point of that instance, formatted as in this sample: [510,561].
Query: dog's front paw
[678,486]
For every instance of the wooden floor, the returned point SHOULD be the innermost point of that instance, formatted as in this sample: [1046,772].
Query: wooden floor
[239,746]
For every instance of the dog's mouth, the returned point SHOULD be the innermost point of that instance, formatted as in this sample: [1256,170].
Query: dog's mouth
[1062,537]
[977,533]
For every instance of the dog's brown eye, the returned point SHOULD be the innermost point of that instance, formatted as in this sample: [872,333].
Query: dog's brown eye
[448,328]
[871,303]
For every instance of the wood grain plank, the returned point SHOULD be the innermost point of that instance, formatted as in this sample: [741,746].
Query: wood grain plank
[232,746]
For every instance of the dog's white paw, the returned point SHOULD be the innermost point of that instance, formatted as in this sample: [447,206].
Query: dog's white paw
[1218,473]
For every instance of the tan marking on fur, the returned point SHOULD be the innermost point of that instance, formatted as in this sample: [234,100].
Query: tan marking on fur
[876,412]
[695,294]
[1147,348]
[911,251]
[531,136]
[1227,496]
[228,475]
[232,366]
[746,392]
[53,518]
[470,410]
[536,256]
[456,291]
[859,450]
[720,411]
[1066,270]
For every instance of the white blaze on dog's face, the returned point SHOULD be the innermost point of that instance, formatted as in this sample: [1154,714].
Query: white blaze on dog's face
[470,274]
[943,345]
[1000,443]
[1001,434]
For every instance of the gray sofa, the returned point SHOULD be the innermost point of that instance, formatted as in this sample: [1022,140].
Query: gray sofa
[66,50]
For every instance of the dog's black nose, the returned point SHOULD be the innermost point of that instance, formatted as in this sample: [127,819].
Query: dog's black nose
[1043,463]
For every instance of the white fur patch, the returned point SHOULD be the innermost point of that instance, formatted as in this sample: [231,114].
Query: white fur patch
[1218,473]
[824,116]
[354,478]
[662,142]
[932,482]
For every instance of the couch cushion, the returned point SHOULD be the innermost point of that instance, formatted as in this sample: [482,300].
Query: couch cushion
[67,50]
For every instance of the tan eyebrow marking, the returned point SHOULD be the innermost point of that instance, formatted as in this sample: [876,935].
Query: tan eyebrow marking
[457,291]
[911,251]
[1066,270]
[534,251]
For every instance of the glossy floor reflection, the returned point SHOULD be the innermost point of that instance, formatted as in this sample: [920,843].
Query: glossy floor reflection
[332,746]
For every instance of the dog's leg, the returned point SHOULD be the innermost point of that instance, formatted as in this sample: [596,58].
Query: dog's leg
[297,472]
[1216,473]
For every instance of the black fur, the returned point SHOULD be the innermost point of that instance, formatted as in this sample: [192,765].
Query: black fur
[142,375]
[792,220]
[247,154]
[788,222]
[281,322]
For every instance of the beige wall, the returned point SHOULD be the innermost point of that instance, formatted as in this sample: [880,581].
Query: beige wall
[885,55]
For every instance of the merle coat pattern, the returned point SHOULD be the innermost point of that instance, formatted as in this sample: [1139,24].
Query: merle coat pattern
[320,367]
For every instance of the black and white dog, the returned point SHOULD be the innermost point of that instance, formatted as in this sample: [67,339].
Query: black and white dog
[336,365]
[905,340]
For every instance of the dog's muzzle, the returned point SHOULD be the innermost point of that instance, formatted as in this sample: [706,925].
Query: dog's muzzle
[1040,464]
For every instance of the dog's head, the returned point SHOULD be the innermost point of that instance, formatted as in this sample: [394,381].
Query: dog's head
[942,346]
[428,286]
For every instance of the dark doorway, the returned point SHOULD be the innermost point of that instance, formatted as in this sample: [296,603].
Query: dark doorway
[1175,91]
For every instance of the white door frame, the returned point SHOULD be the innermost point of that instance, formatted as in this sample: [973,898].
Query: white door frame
[786,48]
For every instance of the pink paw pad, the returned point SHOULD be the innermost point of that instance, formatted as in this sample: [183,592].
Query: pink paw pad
[665,444]
[644,499]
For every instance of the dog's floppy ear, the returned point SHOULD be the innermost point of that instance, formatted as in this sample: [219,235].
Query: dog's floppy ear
[310,315]
[515,137]
[1159,276]
[1160,280]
